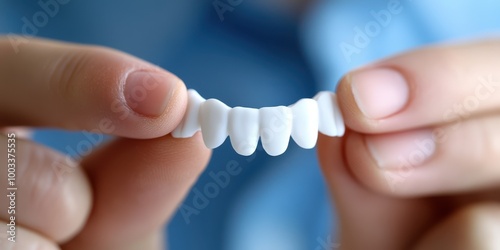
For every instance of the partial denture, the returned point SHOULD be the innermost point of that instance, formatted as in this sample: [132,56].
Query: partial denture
[274,125]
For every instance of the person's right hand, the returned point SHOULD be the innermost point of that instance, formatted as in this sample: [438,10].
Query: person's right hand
[418,166]
[120,195]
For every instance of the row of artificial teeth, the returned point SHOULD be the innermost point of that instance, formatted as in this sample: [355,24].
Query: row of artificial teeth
[274,125]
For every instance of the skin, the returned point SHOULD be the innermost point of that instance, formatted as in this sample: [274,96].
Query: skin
[118,197]
[449,201]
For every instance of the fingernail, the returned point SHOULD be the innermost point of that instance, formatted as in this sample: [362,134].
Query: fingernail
[402,150]
[379,93]
[148,93]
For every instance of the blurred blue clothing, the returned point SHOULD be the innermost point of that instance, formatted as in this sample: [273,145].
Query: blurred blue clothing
[256,57]
[416,23]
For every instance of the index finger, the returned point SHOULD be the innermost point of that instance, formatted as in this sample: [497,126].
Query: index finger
[430,86]
[69,86]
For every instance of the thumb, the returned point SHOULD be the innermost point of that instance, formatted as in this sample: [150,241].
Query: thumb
[87,87]
[137,186]
[366,219]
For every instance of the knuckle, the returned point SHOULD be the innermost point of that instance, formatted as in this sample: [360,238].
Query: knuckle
[65,72]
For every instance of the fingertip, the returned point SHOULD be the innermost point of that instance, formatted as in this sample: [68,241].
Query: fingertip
[161,109]
[372,96]
[379,92]
[149,93]
[142,101]
[353,117]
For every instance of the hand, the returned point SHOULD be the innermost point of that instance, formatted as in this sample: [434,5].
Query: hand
[120,195]
[419,164]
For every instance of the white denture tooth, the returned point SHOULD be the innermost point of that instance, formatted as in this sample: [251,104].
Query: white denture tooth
[330,118]
[213,118]
[243,129]
[274,125]
[305,123]
[275,129]
[190,123]
[339,120]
